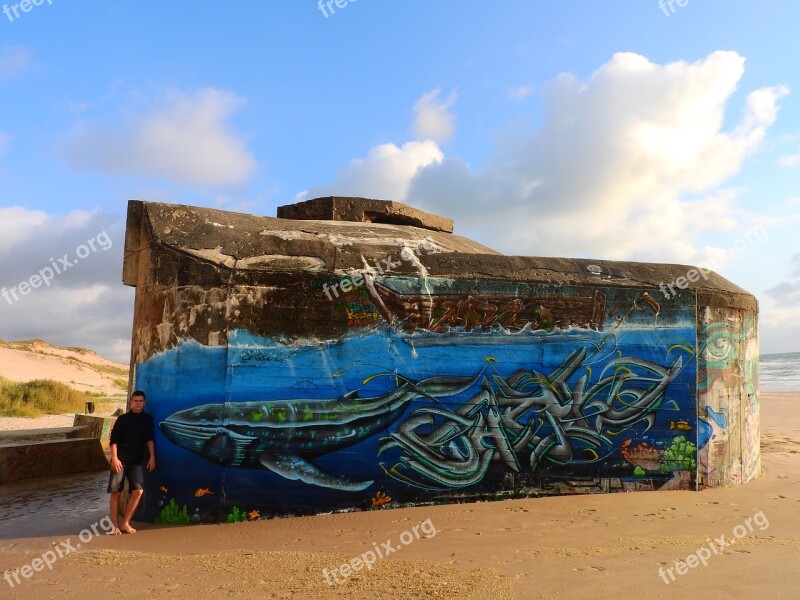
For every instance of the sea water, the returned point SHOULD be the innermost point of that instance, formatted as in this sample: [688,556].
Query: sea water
[779,372]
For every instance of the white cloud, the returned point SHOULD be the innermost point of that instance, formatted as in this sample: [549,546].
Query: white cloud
[789,160]
[520,92]
[183,138]
[14,60]
[86,304]
[386,172]
[779,318]
[433,120]
[786,293]
[779,329]
[628,164]
[16,223]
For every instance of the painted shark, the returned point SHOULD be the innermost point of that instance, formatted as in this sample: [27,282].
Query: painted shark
[282,435]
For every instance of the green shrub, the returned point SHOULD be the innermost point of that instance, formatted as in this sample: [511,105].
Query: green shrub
[39,397]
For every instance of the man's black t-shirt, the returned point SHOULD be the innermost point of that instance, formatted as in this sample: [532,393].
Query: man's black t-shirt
[130,433]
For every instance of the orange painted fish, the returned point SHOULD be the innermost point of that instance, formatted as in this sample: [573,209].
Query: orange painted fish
[202,492]
[680,425]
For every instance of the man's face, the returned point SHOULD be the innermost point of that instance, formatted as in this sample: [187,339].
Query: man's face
[137,404]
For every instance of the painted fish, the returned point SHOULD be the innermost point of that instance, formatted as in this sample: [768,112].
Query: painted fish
[281,435]
[202,492]
[680,425]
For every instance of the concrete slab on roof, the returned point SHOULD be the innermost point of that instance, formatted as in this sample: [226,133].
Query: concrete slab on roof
[364,210]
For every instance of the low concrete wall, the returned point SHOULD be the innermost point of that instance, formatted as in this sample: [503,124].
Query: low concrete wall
[82,448]
[50,434]
[99,427]
[48,458]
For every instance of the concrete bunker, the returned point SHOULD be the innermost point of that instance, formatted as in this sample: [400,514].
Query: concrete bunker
[354,353]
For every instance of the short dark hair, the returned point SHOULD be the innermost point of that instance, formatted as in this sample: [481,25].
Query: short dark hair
[139,393]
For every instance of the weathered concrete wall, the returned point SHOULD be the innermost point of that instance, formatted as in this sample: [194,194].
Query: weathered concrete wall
[97,427]
[297,366]
[728,407]
[46,453]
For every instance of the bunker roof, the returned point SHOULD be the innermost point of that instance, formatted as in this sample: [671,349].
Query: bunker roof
[341,235]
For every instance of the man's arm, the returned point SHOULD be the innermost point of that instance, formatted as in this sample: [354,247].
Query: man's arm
[151,448]
[116,465]
[114,439]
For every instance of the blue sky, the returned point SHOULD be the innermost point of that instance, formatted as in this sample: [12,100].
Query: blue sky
[618,130]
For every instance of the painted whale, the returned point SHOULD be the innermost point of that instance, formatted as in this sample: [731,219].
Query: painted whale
[281,435]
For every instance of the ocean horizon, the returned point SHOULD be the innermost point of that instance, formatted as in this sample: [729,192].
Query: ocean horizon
[779,372]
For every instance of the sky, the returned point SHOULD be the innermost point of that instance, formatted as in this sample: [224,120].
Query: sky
[619,130]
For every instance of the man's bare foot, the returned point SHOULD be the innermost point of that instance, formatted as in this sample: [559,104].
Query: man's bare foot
[126,528]
[114,531]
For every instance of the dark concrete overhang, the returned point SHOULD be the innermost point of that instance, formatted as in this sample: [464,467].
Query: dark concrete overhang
[327,237]
[243,241]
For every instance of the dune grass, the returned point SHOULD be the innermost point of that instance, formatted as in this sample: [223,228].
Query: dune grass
[39,397]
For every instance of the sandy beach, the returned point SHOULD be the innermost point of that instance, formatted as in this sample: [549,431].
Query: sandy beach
[577,546]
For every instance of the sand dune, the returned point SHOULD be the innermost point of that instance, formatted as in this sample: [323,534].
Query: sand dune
[601,546]
[78,368]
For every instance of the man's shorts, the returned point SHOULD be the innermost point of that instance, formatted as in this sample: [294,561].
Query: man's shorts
[134,474]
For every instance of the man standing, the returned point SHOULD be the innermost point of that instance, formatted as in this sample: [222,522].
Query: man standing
[131,435]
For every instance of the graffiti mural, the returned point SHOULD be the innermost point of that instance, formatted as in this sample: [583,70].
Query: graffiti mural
[729,423]
[271,435]
[440,390]
[530,417]
[446,308]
